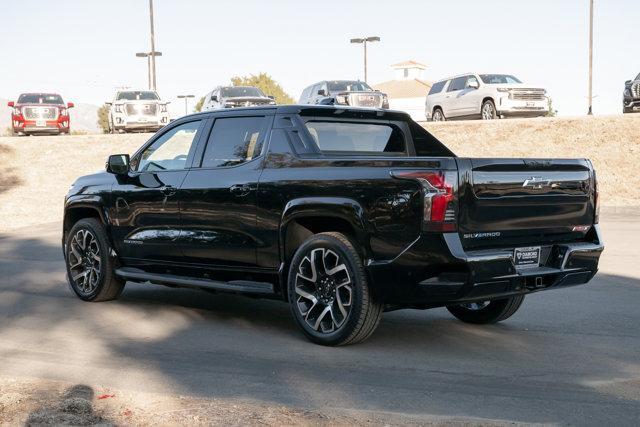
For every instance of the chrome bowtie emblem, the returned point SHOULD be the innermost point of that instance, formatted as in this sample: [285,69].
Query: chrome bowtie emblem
[536,182]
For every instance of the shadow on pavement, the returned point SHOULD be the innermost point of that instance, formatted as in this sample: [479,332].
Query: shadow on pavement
[546,364]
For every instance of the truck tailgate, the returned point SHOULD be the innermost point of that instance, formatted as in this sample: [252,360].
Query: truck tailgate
[517,201]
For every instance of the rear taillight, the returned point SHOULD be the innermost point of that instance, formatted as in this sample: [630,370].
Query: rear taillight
[596,199]
[439,190]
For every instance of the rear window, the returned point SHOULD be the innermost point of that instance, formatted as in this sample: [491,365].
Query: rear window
[437,87]
[357,138]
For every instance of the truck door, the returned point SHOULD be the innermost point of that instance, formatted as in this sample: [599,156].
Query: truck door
[145,203]
[218,206]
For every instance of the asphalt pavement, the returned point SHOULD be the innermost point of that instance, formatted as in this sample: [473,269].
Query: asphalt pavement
[567,356]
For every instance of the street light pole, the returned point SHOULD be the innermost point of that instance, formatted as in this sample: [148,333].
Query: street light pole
[364,41]
[590,112]
[153,48]
[186,101]
[149,56]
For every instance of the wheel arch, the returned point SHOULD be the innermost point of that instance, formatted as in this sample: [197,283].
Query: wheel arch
[307,216]
[75,211]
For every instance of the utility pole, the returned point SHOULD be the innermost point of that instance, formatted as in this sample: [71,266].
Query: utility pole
[590,112]
[364,41]
[153,48]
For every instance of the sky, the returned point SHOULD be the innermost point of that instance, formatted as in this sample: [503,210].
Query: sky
[84,49]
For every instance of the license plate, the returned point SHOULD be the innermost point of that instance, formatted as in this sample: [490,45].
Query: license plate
[531,104]
[41,123]
[526,257]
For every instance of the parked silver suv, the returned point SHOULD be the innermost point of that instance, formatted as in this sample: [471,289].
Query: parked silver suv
[484,96]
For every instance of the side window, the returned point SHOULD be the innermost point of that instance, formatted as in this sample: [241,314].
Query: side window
[457,84]
[437,87]
[357,138]
[169,151]
[234,140]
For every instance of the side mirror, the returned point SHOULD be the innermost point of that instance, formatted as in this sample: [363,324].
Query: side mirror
[214,98]
[271,97]
[118,164]
[627,83]
[11,103]
[108,103]
[70,105]
[473,84]
[322,92]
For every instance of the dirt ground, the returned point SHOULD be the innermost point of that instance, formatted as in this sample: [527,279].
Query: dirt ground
[36,172]
[38,402]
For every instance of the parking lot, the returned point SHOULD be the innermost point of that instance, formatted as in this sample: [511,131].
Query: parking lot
[568,356]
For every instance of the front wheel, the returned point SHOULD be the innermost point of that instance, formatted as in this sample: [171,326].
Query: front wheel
[90,265]
[329,294]
[488,110]
[485,312]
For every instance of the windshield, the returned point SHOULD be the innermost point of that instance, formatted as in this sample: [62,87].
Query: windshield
[40,98]
[239,91]
[638,77]
[347,85]
[137,95]
[496,79]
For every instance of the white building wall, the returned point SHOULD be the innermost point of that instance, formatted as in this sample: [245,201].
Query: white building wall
[413,106]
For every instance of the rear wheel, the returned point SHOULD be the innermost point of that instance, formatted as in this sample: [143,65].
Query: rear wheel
[484,312]
[329,294]
[90,266]
[438,115]
[488,110]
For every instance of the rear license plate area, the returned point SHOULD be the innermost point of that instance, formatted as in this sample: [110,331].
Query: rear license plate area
[41,123]
[528,257]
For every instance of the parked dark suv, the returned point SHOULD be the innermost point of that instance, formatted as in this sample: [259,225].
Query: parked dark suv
[342,212]
[344,92]
[631,96]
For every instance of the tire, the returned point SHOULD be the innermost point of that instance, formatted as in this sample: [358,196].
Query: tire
[487,312]
[95,261]
[319,293]
[488,110]
[438,115]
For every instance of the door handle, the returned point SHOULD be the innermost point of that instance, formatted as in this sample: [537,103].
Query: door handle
[240,189]
[168,190]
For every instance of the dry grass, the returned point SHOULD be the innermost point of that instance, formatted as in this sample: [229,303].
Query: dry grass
[611,143]
[35,172]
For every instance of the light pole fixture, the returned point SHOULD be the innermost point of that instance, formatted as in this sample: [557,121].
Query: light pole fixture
[590,110]
[186,101]
[364,41]
[150,75]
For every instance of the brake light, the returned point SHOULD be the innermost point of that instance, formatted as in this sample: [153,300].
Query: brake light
[596,199]
[439,192]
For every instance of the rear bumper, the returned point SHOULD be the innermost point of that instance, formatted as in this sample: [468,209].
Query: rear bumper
[419,278]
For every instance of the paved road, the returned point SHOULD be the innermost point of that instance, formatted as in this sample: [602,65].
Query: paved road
[568,356]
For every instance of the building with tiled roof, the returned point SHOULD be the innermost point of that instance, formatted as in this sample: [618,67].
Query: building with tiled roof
[408,90]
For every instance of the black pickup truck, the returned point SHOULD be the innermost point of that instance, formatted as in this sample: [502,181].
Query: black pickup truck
[342,212]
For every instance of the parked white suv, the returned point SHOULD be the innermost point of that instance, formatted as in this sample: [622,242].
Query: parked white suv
[485,96]
[137,110]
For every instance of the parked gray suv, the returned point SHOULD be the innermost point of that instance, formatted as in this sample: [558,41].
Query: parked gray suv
[344,92]
[631,96]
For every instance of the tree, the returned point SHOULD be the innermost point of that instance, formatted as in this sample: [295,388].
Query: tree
[103,118]
[551,112]
[265,83]
[199,105]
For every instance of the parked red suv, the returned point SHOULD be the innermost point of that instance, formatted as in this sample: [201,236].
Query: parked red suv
[40,113]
